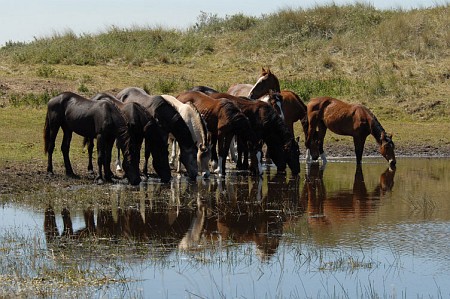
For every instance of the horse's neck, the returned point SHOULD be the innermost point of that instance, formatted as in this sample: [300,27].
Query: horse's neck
[375,128]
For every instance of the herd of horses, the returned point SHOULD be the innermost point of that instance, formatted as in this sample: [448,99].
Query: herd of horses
[204,122]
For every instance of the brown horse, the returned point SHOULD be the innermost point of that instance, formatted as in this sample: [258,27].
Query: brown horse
[266,89]
[350,120]
[270,128]
[101,120]
[224,120]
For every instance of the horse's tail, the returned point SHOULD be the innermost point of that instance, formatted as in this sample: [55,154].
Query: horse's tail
[46,133]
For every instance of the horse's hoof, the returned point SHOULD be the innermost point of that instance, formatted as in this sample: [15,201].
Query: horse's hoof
[99,181]
[72,175]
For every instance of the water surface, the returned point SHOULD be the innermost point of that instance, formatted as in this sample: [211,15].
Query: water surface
[341,232]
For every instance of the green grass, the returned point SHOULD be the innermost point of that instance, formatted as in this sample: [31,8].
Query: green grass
[396,62]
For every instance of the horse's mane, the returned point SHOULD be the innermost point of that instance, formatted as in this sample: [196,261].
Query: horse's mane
[376,129]
[201,121]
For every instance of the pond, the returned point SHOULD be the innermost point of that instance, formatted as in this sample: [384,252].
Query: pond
[339,232]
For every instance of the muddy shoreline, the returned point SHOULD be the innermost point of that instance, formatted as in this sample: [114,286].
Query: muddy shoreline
[19,177]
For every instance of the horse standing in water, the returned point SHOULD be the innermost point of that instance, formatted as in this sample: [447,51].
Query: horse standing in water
[270,128]
[101,120]
[197,127]
[292,106]
[224,120]
[170,120]
[346,119]
[142,126]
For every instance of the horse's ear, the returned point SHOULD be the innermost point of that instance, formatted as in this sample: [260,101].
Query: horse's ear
[268,71]
[263,70]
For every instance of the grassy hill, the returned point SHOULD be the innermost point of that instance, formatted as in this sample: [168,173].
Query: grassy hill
[396,62]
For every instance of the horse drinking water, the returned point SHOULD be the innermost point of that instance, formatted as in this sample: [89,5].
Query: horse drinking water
[346,119]
[170,120]
[142,126]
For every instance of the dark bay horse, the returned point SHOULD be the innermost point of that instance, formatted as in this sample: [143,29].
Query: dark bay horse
[224,120]
[101,120]
[270,128]
[347,119]
[142,126]
[170,120]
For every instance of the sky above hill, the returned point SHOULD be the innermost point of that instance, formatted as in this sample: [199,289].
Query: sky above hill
[25,20]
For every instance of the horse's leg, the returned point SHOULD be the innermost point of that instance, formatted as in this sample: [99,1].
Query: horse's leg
[65,146]
[224,147]
[234,150]
[178,156]
[241,149]
[118,162]
[109,144]
[214,158]
[90,152]
[173,154]
[146,156]
[322,131]
[359,142]
[100,158]
[52,133]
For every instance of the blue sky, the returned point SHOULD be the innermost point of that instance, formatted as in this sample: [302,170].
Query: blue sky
[22,20]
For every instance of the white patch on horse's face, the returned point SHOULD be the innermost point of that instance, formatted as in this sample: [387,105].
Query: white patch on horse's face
[256,84]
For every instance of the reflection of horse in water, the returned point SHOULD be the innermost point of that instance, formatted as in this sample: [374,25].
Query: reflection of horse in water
[184,216]
[343,205]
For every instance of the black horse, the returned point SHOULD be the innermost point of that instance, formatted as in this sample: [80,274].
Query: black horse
[91,119]
[170,120]
[142,126]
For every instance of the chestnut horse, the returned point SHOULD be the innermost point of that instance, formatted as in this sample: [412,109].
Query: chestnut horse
[346,119]
[224,120]
[270,128]
[101,120]
[171,122]
[142,126]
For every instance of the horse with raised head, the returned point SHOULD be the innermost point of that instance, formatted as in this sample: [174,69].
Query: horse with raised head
[142,126]
[270,128]
[170,120]
[101,120]
[224,120]
[266,89]
[346,119]
[199,132]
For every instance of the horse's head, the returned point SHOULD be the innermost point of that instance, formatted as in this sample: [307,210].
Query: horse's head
[276,101]
[292,154]
[387,149]
[131,164]
[188,158]
[267,81]
[203,158]
[313,146]
[158,150]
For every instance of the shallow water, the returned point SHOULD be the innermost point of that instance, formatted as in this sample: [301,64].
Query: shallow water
[339,232]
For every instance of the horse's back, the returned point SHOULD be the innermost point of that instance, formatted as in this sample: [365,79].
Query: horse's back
[240,89]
